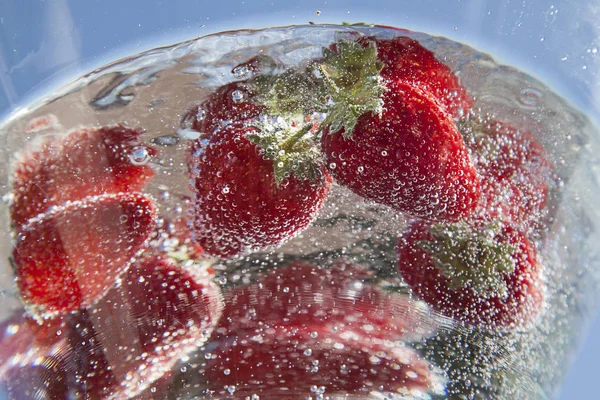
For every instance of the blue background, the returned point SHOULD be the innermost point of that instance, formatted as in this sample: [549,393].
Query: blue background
[44,44]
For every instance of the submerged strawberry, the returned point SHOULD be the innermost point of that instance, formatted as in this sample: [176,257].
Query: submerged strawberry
[411,158]
[256,182]
[119,346]
[405,60]
[396,143]
[481,277]
[228,104]
[70,256]
[515,174]
[86,162]
[304,331]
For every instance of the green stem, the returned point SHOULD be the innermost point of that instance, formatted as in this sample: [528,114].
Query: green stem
[289,143]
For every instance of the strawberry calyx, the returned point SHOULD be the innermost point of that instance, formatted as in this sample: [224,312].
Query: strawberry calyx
[343,85]
[350,72]
[291,147]
[471,258]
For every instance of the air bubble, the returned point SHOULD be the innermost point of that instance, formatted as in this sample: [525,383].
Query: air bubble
[225,190]
[237,96]
[139,155]
[529,98]
[156,102]
[166,141]
[188,134]
[241,71]
[8,197]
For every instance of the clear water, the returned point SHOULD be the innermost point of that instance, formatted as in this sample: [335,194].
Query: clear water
[155,89]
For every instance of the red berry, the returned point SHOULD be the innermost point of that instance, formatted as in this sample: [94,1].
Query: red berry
[70,256]
[85,162]
[405,60]
[411,158]
[239,207]
[226,105]
[515,173]
[119,346]
[478,277]
[303,327]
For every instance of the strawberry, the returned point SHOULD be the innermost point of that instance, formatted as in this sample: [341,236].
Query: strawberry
[405,60]
[303,331]
[515,173]
[254,188]
[228,104]
[119,346]
[411,158]
[396,143]
[85,162]
[70,256]
[483,277]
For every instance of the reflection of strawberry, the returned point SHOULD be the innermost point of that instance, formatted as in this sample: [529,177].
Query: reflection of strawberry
[119,346]
[286,296]
[301,327]
[241,205]
[411,158]
[515,172]
[67,258]
[480,277]
[86,162]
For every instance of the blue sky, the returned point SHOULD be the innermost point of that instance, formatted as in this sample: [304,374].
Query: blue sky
[44,43]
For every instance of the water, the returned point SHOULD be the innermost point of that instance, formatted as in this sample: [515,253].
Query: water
[427,354]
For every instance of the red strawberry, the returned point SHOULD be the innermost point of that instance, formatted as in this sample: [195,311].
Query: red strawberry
[303,330]
[86,162]
[406,61]
[117,348]
[242,200]
[515,173]
[479,277]
[228,104]
[69,257]
[411,158]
